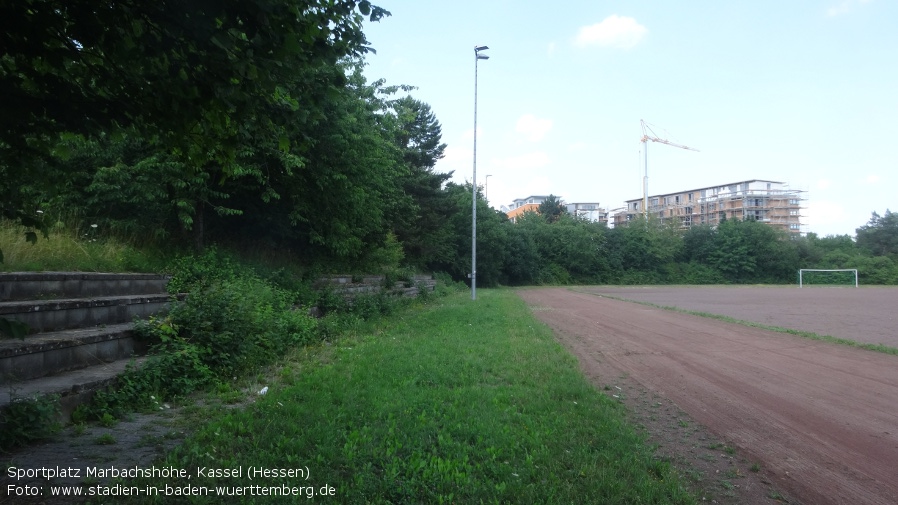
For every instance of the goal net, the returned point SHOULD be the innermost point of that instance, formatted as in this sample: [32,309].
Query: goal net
[835,277]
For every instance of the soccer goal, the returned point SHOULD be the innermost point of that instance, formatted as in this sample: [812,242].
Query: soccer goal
[835,277]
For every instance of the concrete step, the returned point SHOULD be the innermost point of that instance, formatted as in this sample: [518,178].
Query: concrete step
[55,352]
[74,387]
[53,315]
[45,285]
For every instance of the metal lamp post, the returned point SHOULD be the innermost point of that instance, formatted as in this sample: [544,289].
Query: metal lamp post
[477,57]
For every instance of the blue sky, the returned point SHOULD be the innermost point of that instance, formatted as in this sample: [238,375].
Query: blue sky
[804,92]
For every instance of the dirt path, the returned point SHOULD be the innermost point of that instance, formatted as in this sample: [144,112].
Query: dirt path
[821,419]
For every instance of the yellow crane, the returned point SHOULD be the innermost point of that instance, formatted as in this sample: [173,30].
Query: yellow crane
[645,150]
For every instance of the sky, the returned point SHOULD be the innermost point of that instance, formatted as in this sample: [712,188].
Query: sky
[804,92]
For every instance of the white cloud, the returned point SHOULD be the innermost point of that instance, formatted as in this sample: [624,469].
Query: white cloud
[824,183]
[551,49]
[614,31]
[532,160]
[532,127]
[844,7]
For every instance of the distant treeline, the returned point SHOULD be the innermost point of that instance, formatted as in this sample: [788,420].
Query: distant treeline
[252,126]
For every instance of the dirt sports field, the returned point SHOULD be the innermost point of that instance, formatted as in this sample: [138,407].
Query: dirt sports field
[817,422]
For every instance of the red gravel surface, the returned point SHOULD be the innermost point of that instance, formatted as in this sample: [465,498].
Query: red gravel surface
[820,418]
[866,314]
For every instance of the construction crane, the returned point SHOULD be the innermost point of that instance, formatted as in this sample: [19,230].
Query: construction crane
[645,150]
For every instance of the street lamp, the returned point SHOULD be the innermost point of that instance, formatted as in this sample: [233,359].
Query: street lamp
[487,192]
[477,57]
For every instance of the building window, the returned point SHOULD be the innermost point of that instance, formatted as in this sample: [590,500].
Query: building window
[793,202]
[793,212]
[690,196]
[677,199]
[794,226]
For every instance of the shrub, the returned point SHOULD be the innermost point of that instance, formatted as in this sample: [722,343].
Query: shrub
[238,324]
[221,330]
[26,420]
[446,285]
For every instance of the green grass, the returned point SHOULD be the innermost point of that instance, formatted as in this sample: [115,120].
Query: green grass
[451,402]
[801,333]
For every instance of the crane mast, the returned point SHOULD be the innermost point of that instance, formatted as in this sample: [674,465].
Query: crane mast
[645,150]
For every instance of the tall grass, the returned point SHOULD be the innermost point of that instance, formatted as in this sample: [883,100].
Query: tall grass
[452,402]
[69,247]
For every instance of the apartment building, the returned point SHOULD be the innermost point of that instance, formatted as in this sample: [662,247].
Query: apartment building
[769,202]
[588,210]
[521,205]
[591,211]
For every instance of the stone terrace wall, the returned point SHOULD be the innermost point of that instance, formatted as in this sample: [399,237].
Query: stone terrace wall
[350,286]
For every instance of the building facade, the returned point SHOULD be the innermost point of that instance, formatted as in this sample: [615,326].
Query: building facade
[770,202]
[591,211]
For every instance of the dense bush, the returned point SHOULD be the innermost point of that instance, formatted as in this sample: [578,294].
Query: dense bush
[26,420]
[569,250]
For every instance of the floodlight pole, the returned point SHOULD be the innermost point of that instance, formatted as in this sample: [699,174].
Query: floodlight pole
[477,57]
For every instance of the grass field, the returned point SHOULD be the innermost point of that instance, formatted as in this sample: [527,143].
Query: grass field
[452,402]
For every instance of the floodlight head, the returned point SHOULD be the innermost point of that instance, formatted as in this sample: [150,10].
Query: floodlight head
[480,48]
[482,57]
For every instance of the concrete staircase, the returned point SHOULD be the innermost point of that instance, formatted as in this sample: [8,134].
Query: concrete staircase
[81,331]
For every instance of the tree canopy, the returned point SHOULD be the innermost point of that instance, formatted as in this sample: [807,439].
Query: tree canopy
[880,234]
[195,74]
[552,208]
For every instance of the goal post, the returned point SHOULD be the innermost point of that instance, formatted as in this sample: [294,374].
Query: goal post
[849,273]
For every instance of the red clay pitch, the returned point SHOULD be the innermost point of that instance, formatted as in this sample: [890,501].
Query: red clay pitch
[821,418]
[865,314]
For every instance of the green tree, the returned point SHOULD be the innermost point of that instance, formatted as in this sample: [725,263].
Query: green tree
[523,263]
[552,208]
[880,235]
[569,250]
[206,82]
[492,238]
[750,251]
[424,231]
[335,193]
[644,245]
[196,74]
[698,242]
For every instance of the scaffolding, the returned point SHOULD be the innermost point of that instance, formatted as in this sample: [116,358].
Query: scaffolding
[769,202]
